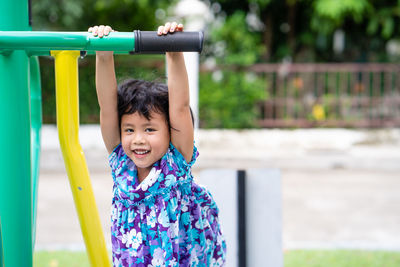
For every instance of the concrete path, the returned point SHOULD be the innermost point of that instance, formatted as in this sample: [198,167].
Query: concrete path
[341,188]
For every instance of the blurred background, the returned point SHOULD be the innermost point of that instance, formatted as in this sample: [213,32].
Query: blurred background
[308,87]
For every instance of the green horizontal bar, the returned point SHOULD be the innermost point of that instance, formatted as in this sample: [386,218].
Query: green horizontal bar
[47,52]
[45,41]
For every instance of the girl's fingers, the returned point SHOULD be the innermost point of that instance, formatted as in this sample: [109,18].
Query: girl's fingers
[94,30]
[101,31]
[173,26]
[107,30]
[160,30]
[167,27]
[179,27]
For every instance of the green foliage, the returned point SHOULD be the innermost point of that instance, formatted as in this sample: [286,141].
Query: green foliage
[302,30]
[239,45]
[263,3]
[337,10]
[53,15]
[78,15]
[229,101]
[385,19]
[332,14]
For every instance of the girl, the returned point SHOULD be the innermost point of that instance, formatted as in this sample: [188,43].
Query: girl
[160,216]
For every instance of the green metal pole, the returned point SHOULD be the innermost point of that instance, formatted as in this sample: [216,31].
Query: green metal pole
[36,121]
[15,142]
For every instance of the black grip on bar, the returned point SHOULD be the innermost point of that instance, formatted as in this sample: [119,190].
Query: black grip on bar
[149,42]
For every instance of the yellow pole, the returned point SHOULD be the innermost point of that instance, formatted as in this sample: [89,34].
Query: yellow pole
[66,70]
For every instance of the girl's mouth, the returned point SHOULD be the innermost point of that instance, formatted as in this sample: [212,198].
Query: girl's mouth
[141,152]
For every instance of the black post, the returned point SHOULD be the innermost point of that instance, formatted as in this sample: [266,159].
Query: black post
[241,187]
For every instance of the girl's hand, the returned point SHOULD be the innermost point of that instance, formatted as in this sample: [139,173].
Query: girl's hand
[169,28]
[101,31]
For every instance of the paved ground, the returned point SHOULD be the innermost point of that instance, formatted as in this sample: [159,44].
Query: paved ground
[341,188]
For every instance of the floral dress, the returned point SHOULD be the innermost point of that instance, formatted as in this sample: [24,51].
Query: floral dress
[167,219]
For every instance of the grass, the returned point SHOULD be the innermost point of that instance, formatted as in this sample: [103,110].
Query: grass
[60,259]
[293,258]
[341,258]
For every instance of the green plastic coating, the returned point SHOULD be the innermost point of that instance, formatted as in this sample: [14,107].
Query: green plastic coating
[15,164]
[84,41]
[36,126]
[15,142]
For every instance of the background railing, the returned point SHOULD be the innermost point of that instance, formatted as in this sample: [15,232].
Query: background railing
[330,95]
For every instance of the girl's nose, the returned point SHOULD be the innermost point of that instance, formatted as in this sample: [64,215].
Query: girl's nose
[138,139]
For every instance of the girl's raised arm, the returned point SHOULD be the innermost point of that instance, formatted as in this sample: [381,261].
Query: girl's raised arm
[182,132]
[106,87]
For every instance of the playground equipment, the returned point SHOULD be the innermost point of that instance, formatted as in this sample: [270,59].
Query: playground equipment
[20,109]
[250,206]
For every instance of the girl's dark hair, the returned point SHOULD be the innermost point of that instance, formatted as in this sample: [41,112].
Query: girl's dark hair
[142,97]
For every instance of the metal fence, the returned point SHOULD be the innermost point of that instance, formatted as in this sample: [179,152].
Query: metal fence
[330,95]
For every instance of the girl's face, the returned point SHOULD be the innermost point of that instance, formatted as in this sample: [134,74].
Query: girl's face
[144,141]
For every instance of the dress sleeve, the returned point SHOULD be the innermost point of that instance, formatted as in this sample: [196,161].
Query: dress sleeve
[116,159]
[179,159]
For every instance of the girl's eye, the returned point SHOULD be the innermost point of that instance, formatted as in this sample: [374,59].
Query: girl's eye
[150,130]
[128,130]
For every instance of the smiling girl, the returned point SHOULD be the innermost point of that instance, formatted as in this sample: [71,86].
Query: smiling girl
[160,216]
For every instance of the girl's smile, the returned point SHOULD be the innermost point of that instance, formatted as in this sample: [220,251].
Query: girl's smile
[144,141]
[140,152]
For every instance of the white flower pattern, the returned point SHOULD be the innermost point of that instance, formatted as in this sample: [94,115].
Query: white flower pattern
[150,179]
[132,239]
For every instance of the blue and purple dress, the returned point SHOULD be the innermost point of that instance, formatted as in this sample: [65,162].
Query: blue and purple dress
[167,219]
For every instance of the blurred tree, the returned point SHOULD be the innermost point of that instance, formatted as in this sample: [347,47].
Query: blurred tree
[78,15]
[304,30]
[229,99]
[234,43]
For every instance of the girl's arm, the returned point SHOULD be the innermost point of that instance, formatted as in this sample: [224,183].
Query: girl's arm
[106,87]
[182,132]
